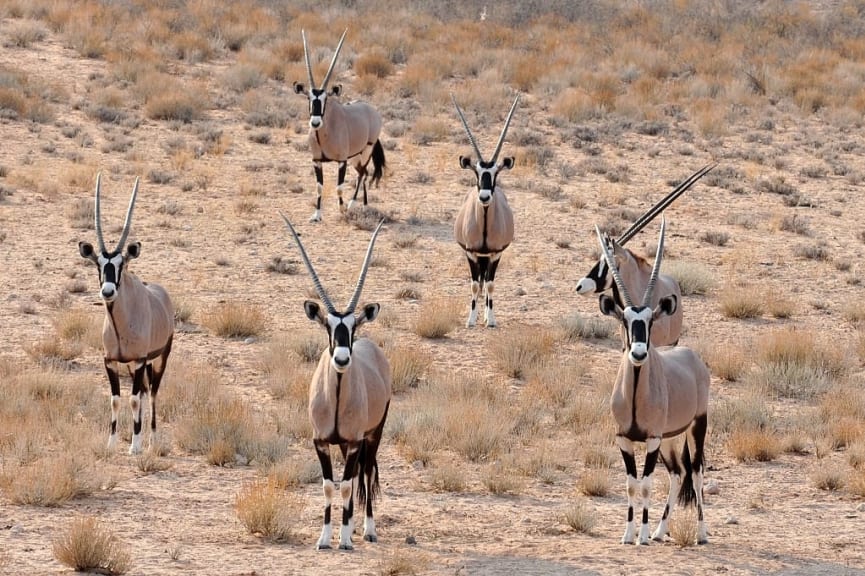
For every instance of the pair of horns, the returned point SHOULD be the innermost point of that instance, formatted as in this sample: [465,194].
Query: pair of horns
[126,225]
[472,138]
[656,268]
[332,62]
[653,212]
[322,293]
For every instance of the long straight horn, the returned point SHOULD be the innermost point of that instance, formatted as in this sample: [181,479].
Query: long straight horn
[306,57]
[653,212]
[611,263]
[315,281]
[468,131]
[98,216]
[333,61]
[127,224]
[505,130]
[656,268]
[362,278]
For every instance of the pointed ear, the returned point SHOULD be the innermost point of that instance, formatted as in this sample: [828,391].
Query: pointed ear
[369,313]
[608,306]
[314,312]
[466,163]
[508,162]
[336,90]
[86,251]
[299,88]
[133,250]
[666,307]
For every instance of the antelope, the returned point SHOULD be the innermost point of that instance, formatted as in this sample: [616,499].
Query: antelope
[347,133]
[484,226]
[660,395]
[349,396]
[635,270]
[138,327]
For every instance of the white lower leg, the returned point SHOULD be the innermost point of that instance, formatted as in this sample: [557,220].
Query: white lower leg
[135,405]
[316,216]
[345,530]
[646,498]
[473,313]
[633,489]
[663,525]
[369,529]
[329,489]
[489,314]
[115,410]
[702,532]
[339,190]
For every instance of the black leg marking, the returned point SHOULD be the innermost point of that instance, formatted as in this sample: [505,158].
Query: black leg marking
[138,386]
[340,179]
[155,379]
[114,381]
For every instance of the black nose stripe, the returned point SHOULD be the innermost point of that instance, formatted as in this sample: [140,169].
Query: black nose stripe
[638,331]
[486,181]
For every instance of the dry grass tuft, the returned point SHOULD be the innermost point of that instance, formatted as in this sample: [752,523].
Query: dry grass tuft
[267,509]
[437,318]
[408,365]
[50,481]
[748,445]
[726,360]
[446,477]
[684,527]
[741,302]
[401,562]
[580,516]
[518,352]
[830,478]
[501,480]
[693,277]
[235,320]
[594,482]
[88,546]
[576,327]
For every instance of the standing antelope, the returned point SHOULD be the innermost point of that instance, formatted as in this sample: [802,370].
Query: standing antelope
[348,401]
[346,133]
[659,395]
[635,270]
[138,327]
[484,226]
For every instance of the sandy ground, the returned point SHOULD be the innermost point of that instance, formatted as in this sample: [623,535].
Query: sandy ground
[766,518]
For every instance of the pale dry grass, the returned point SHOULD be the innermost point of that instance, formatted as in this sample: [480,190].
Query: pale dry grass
[741,302]
[749,445]
[408,366]
[87,545]
[517,352]
[594,482]
[728,361]
[684,527]
[235,320]
[580,516]
[693,277]
[446,477]
[437,318]
[268,510]
[51,480]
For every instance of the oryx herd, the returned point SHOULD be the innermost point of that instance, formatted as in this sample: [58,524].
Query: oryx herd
[661,391]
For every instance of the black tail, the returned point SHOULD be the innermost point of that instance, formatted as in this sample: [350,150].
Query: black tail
[368,486]
[377,162]
[687,495]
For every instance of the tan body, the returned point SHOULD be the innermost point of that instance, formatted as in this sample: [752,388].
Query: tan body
[347,134]
[139,323]
[484,230]
[357,403]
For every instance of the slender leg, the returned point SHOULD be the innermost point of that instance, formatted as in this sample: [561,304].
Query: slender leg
[671,459]
[114,380]
[361,181]
[319,187]
[346,490]
[489,285]
[155,379]
[476,288]
[138,387]
[370,477]
[322,450]
[340,183]
[698,434]
[653,446]
[627,449]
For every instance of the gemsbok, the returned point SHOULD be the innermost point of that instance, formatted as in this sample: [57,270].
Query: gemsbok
[660,394]
[341,133]
[484,226]
[349,397]
[635,270]
[138,327]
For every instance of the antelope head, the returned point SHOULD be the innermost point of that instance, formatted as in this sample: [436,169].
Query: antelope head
[111,263]
[636,319]
[318,96]
[340,326]
[486,172]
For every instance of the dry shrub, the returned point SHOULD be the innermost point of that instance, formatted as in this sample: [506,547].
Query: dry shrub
[180,105]
[446,477]
[580,516]
[500,480]
[53,351]
[741,302]
[693,277]
[235,320]
[294,472]
[556,387]
[428,130]
[684,526]
[827,477]
[794,364]
[88,546]
[842,411]
[149,462]
[577,327]
[517,352]
[437,318]
[403,562]
[726,360]
[594,482]
[408,365]
[83,326]
[374,63]
[51,480]
[81,213]
[748,445]
[750,412]
[267,509]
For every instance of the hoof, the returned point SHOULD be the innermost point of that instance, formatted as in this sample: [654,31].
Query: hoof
[323,547]
[491,325]
[702,541]
[315,219]
[370,538]
[346,547]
